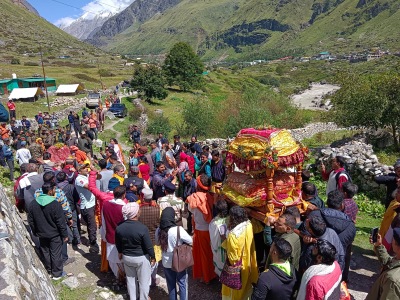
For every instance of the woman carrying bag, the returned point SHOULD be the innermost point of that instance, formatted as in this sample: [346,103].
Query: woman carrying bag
[167,238]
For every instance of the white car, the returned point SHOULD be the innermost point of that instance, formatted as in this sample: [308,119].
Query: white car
[93,99]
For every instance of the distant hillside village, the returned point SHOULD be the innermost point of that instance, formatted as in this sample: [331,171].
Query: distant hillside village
[354,57]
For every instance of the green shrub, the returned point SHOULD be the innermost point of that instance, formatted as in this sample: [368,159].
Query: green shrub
[159,124]
[269,80]
[135,114]
[106,73]
[31,64]
[15,61]
[199,118]
[372,208]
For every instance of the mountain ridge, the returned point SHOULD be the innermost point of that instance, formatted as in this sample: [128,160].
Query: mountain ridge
[250,28]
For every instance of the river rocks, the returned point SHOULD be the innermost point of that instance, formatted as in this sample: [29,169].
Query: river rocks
[362,163]
[22,275]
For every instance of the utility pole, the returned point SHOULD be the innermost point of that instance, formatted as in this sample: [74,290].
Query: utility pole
[44,79]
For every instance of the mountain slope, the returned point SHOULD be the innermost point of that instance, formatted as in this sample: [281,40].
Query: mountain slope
[138,12]
[24,32]
[263,28]
[82,27]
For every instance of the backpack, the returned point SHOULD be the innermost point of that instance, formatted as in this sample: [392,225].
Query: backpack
[344,172]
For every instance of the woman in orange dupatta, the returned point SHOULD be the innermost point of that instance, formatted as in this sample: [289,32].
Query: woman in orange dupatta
[200,205]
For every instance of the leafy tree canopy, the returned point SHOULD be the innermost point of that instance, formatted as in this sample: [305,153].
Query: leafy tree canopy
[150,82]
[370,101]
[183,67]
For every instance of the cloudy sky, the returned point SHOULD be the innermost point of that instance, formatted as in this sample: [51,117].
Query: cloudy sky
[63,12]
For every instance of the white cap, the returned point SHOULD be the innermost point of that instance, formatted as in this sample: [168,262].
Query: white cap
[147,194]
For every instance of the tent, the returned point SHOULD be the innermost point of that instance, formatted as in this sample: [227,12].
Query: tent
[4,116]
[69,89]
[26,93]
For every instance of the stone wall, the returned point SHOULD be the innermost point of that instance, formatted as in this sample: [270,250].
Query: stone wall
[22,275]
[362,163]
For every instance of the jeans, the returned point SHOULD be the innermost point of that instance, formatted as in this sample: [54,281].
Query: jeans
[10,164]
[88,214]
[137,268]
[73,234]
[51,249]
[173,278]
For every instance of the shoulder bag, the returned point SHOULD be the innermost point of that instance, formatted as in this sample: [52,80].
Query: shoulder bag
[182,256]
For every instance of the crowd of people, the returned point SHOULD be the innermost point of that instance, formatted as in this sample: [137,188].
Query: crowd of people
[138,208]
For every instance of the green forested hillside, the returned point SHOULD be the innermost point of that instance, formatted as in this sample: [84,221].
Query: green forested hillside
[248,29]
[24,32]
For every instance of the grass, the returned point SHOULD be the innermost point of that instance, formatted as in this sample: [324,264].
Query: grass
[387,156]
[328,137]
[66,293]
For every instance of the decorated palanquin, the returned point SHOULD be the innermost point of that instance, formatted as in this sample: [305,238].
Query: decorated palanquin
[59,152]
[264,171]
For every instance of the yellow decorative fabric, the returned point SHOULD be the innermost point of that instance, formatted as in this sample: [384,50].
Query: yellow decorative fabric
[283,142]
[240,199]
[240,240]
[250,147]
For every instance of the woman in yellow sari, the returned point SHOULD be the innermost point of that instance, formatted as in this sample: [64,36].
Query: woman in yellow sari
[240,245]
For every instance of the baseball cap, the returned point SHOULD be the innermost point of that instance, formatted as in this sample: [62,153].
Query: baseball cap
[82,166]
[169,186]
[23,143]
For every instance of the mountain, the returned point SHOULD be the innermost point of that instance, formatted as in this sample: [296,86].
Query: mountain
[135,14]
[82,27]
[25,4]
[245,29]
[24,32]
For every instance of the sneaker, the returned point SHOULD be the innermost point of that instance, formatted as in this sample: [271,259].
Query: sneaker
[94,248]
[60,277]
[4,236]
[69,260]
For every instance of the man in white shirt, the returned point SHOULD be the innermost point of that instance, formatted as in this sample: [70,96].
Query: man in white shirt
[88,205]
[23,154]
[170,200]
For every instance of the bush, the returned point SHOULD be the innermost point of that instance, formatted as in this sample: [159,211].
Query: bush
[106,73]
[31,64]
[135,114]
[15,61]
[199,118]
[269,80]
[159,124]
[86,77]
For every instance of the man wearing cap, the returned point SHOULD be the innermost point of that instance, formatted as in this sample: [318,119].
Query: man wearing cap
[23,154]
[134,245]
[390,180]
[134,181]
[9,157]
[170,200]
[387,286]
[150,216]
[88,203]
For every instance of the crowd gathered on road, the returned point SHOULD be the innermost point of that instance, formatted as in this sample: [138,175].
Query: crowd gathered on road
[161,206]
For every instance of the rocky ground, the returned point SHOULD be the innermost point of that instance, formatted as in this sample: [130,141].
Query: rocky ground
[85,273]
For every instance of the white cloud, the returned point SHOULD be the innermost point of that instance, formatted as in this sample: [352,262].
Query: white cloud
[90,10]
[63,22]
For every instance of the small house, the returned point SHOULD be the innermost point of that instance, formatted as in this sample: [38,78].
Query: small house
[69,89]
[26,94]
[7,85]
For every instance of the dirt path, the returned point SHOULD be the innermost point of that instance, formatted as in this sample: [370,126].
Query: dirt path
[110,126]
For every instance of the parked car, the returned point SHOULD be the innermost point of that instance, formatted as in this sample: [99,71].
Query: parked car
[93,99]
[119,110]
